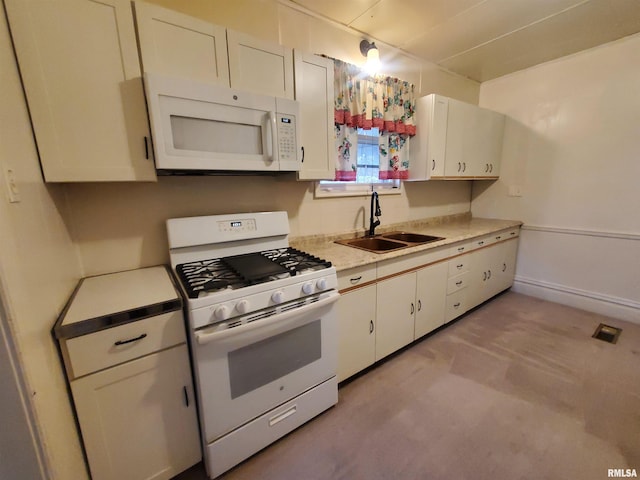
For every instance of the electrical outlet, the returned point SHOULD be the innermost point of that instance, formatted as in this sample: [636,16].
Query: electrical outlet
[12,186]
[515,191]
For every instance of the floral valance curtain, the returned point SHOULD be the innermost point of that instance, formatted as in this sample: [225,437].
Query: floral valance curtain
[363,101]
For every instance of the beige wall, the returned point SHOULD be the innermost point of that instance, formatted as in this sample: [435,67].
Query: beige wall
[572,145]
[39,268]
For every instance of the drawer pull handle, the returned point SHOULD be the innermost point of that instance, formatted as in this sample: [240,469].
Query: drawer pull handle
[460,266]
[370,326]
[355,280]
[186,396]
[484,276]
[283,416]
[513,233]
[123,342]
[504,267]
[412,308]
[456,305]
[419,305]
[481,242]
[489,275]
[461,249]
[498,237]
[433,164]
[459,282]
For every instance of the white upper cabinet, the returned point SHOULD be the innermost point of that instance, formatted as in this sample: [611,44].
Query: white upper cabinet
[259,66]
[455,140]
[314,91]
[474,141]
[427,149]
[179,45]
[175,44]
[81,74]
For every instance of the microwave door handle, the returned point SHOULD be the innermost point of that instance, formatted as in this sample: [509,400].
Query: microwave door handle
[271,147]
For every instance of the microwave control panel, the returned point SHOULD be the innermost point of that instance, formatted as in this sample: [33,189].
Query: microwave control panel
[287,147]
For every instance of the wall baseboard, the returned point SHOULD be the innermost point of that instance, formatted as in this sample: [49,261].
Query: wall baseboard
[610,306]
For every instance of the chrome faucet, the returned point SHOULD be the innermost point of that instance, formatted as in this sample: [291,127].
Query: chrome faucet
[377,212]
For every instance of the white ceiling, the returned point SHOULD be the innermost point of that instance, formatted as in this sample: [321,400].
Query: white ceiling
[485,39]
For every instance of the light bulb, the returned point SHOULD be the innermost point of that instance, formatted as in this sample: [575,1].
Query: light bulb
[373,61]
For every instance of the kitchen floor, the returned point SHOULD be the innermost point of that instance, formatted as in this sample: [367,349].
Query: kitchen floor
[516,389]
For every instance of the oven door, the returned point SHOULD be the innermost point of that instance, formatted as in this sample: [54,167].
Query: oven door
[245,371]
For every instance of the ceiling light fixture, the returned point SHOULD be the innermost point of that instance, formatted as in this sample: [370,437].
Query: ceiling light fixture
[369,50]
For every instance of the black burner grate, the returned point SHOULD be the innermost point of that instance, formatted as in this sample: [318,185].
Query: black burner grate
[206,276]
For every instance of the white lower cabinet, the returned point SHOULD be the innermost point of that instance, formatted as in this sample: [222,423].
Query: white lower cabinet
[127,363]
[357,331]
[138,419]
[431,289]
[492,271]
[382,316]
[395,309]
[409,306]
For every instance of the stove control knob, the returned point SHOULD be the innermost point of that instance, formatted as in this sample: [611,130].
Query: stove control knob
[221,312]
[307,288]
[278,296]
[243,306]
[322,284]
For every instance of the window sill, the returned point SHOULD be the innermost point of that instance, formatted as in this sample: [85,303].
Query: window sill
[349,189]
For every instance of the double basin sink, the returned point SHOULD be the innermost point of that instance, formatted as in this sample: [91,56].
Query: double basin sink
[387,242]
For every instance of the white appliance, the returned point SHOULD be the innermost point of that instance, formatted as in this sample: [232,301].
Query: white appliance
[263,330]
[200,128]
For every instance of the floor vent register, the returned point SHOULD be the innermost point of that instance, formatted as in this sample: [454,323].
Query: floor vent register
[607,333]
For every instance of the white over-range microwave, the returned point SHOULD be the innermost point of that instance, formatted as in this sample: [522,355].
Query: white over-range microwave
[204,128]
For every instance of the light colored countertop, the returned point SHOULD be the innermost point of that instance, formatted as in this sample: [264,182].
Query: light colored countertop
[104,301]
[454,229]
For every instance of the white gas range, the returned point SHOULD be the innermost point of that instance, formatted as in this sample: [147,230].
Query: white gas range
[263,330]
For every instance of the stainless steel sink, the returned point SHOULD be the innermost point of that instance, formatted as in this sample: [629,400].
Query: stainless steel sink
[387,242]
[373,244]
[411,237]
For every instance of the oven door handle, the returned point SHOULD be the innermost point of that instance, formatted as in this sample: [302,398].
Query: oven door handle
[203,338]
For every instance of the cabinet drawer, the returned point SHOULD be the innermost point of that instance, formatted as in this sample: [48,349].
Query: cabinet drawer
[456,305]
[461,248]
[96,351]
[457,283]
[458,265]
[356,276]
[484,241]
[412,261]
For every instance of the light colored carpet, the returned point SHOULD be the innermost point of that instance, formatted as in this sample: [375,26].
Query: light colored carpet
[516,389]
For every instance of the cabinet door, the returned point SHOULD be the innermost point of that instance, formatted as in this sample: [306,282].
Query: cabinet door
[356,331]
[505,264]
[459,138]
[485,144]
[178,45]
[428,147]
[480,265]
[79,65]
[138,420]
[395,313]
[431,292]
[314,91]
[259,66]
[474,141]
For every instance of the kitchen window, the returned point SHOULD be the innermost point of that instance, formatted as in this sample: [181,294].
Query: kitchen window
[367,171]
